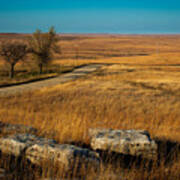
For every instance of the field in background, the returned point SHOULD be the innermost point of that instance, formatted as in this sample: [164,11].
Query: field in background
[95,47]
[138,88]
[105,46]
[126,49]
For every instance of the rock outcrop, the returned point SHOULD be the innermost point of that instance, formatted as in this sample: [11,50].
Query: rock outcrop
[17,144]
[22,142]
[40,151]
[129,142]
[65,155]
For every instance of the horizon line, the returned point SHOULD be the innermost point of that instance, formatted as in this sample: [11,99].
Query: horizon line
[93,33]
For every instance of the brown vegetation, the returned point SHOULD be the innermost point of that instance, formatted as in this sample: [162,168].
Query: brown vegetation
[137,92]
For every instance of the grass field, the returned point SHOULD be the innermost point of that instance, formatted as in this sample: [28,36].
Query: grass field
[95,47]
[137,88]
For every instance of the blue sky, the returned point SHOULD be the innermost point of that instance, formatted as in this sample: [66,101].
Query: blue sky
[91,16]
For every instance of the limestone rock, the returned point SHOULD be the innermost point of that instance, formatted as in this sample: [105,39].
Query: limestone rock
[16,144]
[68,156]
[129,142]
[41,150]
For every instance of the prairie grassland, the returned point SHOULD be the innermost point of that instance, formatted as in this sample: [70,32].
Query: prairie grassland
[105,46]
[136,92]
[117,96]
[95,47]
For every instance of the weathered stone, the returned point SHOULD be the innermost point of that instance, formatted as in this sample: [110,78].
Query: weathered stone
[40,151]
[130,142]
[16,144]
[7,129]
[67,156]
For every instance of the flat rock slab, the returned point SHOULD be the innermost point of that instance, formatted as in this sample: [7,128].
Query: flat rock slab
[128,142]
[66,156]
[16,144]
[42,151]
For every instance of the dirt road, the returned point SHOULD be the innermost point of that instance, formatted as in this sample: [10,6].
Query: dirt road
[77,73]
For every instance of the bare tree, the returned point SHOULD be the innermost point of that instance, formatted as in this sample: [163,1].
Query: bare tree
[42,46]
[12,52]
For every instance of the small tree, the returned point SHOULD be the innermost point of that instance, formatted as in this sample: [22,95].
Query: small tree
[42,46]
[12,52]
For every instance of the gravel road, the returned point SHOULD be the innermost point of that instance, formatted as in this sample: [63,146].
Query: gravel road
[77,73]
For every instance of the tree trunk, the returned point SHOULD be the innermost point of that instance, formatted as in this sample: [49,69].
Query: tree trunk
[11,74]
[40,68]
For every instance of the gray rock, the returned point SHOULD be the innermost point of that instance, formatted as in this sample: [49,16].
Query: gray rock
[65,155]
[130,142]
[18,143]
[42,151]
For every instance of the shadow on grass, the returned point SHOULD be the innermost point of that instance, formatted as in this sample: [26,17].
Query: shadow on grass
[18,168]
[168,151]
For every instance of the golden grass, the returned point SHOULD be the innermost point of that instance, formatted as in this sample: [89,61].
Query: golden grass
[95,47]
[136,92]
[106,46]
[117,96]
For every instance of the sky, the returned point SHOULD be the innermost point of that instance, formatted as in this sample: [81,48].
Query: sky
[91,16]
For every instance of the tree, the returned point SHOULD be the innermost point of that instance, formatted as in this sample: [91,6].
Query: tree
[12,52]
[42,46]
